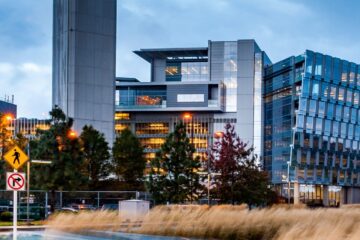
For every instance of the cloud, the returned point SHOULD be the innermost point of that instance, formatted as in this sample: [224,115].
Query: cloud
[31,85]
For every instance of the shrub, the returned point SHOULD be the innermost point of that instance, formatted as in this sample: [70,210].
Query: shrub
[6,216]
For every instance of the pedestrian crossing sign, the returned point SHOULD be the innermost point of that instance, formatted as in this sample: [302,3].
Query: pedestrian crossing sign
[16,157]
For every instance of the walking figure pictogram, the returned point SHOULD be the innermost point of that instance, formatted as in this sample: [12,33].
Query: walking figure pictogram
[16,155]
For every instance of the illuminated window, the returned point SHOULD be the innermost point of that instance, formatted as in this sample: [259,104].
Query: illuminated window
[152,143]
[119,127]
[122,116]
[151,128]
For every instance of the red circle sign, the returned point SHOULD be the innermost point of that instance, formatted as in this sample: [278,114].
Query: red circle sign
[16,181]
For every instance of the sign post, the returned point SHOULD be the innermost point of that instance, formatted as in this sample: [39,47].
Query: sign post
[15,181]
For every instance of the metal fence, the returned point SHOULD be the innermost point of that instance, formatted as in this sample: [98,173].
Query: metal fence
[39,201]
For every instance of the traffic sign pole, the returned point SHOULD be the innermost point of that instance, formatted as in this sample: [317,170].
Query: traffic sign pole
[15,212]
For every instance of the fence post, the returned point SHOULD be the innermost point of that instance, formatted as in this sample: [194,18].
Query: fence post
[61,199]
[46,204]
[98,200]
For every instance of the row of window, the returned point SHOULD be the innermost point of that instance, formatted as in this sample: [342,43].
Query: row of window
[327,159]
[326,144]
[332,69]
[330,111]
[333,93]
[330,176]
[328,127]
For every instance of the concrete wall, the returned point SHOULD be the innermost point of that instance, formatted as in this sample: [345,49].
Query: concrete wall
[84,48]
[158,70]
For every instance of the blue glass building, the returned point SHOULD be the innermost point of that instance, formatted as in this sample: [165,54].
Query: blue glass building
[311,126]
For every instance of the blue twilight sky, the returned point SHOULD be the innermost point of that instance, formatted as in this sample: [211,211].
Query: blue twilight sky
[280,27]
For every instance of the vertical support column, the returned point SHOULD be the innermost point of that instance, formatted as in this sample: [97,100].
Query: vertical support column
[326,195]
[296,193]
[343,196]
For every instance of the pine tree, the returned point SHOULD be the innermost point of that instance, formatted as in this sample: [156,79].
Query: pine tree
[240,179]
[173,176]
[128,160]
[96,154]
[64,152]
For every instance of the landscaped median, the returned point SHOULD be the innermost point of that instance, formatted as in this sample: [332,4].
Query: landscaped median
[223,222]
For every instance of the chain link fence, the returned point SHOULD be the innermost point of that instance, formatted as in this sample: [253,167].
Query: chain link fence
[40,201]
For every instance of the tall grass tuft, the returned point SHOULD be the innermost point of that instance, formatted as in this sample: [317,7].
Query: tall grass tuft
[226,222]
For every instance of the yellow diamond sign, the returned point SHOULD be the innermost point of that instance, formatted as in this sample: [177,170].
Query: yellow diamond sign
[16,157]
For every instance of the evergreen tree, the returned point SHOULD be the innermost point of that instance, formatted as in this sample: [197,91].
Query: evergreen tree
[64,152]
[96,154]
[240,179]
[173,175]
[128,160]
[5,145]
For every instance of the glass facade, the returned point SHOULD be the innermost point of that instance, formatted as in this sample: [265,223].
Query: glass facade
[321,135]
[187,71]
[230,75]
[141,97]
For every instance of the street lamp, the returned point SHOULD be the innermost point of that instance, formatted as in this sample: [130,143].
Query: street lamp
[72,134]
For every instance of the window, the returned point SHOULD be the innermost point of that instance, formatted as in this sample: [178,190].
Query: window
[327,128]
[356,98]
[324,90]
[312,108]
[335,129]
[333,93]
[300,121]
[119,127]
[151,128]
[341,95]
[318,125]
[318,66]
[346,114]
[321,110]
[349,96]
[303,105]
[338,114]
[309,123]
[353,115]
[350,131]
[315,89]
[357,133]
[343,130]
[344,74]
[352,74]
[309,63]
[336,70]
[328,63]
[122,116]
[358,77]
[173,72]
[330,111]
[305,87]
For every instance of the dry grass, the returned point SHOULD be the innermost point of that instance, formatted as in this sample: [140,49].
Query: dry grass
[227,222]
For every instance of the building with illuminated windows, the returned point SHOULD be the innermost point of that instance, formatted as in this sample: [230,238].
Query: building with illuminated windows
[8,107]
[312,128]
[301,114]
[205,87]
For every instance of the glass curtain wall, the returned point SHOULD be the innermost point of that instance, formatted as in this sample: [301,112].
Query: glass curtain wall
[230,75]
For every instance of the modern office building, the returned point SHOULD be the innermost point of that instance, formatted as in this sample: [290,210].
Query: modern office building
[84,39]
[205,87]
[8,107]
[312,123]
[28,126]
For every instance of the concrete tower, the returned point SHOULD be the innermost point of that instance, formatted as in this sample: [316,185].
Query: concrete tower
[84,48]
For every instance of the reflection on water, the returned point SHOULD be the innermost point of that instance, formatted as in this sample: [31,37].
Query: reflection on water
[98,235]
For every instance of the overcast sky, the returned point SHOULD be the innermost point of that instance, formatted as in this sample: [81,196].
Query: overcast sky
[281,27]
